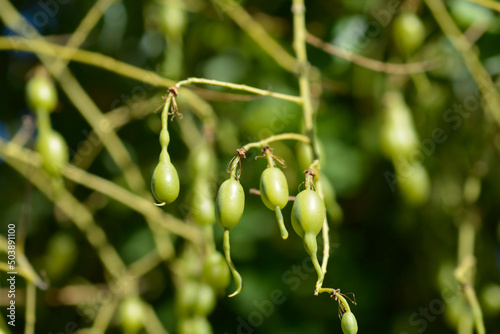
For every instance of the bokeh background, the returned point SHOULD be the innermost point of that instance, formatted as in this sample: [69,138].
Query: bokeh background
[396,256]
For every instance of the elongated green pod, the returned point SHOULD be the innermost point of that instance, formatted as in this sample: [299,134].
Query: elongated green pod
[229,207]
[54,151]
[349,323]
[274,194]
[41,94]
[230,203]
[202,203]
[308,215]
[215,271]
[165,183]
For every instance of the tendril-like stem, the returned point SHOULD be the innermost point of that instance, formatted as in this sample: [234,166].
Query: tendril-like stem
[319,271]
[245,88]
[281,223]
[270,159]
[283,136]
[227,252]
[345,304]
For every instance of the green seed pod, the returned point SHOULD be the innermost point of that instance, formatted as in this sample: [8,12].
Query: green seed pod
[165,182]
[274,188]
[202,203]
[230,203]
[54,151]
[490,298]
[195,298]
[60,256]
[186,298]
[229,207]
[414,183]
[205,301]
[408,33]
[332,206]
[349,323]
[308,213]
[173,18]
[41,93]
[132,314]
[274,194]
[202,161]
[398,135]
[305,155]
[196,325]
[215,271]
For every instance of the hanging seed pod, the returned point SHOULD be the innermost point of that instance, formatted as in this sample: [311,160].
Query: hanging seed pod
[229,206]
[195,325]
[54,151]
[408,33]
[132,314]
[398,135]
[274,188]
[165,181]
[308,215]
[202,203]
[41,94]
[414,183]
[274,194]
[215,271]
[349,323]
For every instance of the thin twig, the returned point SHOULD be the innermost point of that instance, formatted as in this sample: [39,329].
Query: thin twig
[104,317]
[24,268]
[78,213]
[30,308]
[28,275]
[108,188]
[153,324]
[255,30]
[86,57]
[113,65]
[461,273]
[372,64]
[282,136]
[80,99]
[459,41]
[245,88]
[81,32]
[145,264]
[465,269]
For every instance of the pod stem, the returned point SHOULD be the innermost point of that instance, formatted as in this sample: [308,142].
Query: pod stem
[319,271]
[165,111]
[270,159]
[281,223]
[344,303]
[236,275]
[43,120]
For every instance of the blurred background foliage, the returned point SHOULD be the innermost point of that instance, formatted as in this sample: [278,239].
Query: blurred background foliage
[396,257]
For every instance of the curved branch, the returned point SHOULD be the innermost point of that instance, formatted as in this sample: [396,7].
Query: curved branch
[372,64]
[245,88]
[108,188]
